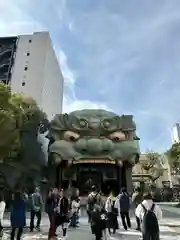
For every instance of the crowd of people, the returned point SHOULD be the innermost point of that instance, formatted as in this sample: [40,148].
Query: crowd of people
[64,211]
[103,216]
[61,211]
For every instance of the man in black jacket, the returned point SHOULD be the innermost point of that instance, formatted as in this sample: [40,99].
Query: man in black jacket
[52,202]
[63,213]
[124,203]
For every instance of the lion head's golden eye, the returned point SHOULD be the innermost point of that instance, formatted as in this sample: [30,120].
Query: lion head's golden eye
[71,136]
[117,136]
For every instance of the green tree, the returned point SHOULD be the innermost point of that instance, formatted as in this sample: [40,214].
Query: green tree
[153,165]
[9,123]
[173,155]
[17,112]
[21,154]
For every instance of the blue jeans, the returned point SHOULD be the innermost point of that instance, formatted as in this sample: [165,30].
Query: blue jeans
[38,215]
[74,220]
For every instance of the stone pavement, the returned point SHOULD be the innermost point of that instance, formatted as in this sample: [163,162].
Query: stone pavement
[83,232]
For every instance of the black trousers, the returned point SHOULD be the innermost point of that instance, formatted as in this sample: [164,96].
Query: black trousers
[38,215]
[150,236]
[138,223]
[19,233]
[89,215]
[126,222]
[98,234]
[52,227]
[1,229]
[112,222]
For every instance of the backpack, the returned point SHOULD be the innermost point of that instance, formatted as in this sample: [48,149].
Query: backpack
[93,201]
[149,221]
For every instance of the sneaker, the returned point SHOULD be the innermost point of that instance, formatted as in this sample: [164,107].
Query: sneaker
[38,229]
[64,238]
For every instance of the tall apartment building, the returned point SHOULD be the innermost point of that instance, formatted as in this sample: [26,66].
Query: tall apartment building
[176,133]
[29,65]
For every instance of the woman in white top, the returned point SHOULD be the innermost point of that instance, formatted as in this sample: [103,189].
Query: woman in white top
[112,209]
[75,206]
[2,209]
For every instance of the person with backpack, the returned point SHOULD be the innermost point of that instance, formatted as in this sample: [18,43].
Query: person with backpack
[36,208]
[93,198]
[136,200]
[124,205]
[149,214]
[111,207]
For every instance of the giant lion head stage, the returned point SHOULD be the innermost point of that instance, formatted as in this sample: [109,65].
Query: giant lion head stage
[93,137]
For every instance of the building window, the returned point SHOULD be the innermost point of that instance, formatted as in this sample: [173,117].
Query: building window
[28,54]
[23,84]
[30,40]
[26,68]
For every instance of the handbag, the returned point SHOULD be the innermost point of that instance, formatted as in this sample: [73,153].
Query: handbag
[103,221]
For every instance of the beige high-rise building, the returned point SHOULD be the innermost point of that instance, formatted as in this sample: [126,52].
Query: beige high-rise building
[28,64]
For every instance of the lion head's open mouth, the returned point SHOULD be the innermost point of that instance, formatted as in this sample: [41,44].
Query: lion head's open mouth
[96,161]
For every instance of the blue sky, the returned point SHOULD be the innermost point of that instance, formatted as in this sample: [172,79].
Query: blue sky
[118,55]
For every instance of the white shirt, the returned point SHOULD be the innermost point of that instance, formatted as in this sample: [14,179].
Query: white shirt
[108,205]
[2,209]
[148,204]
[75,205]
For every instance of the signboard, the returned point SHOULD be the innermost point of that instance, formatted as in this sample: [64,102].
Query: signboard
[94,161]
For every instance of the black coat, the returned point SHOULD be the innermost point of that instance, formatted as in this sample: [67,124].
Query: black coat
[98,220]
[63,215]
[51,204]
[64,206]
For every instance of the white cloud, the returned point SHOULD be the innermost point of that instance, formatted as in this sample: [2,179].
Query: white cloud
[71,102]
[15,20]
[70,105]
[69,75]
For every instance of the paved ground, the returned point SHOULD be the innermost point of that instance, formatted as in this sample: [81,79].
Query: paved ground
[169,227]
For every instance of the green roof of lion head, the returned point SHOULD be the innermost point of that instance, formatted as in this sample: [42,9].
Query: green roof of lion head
[83,120]
[93,112]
